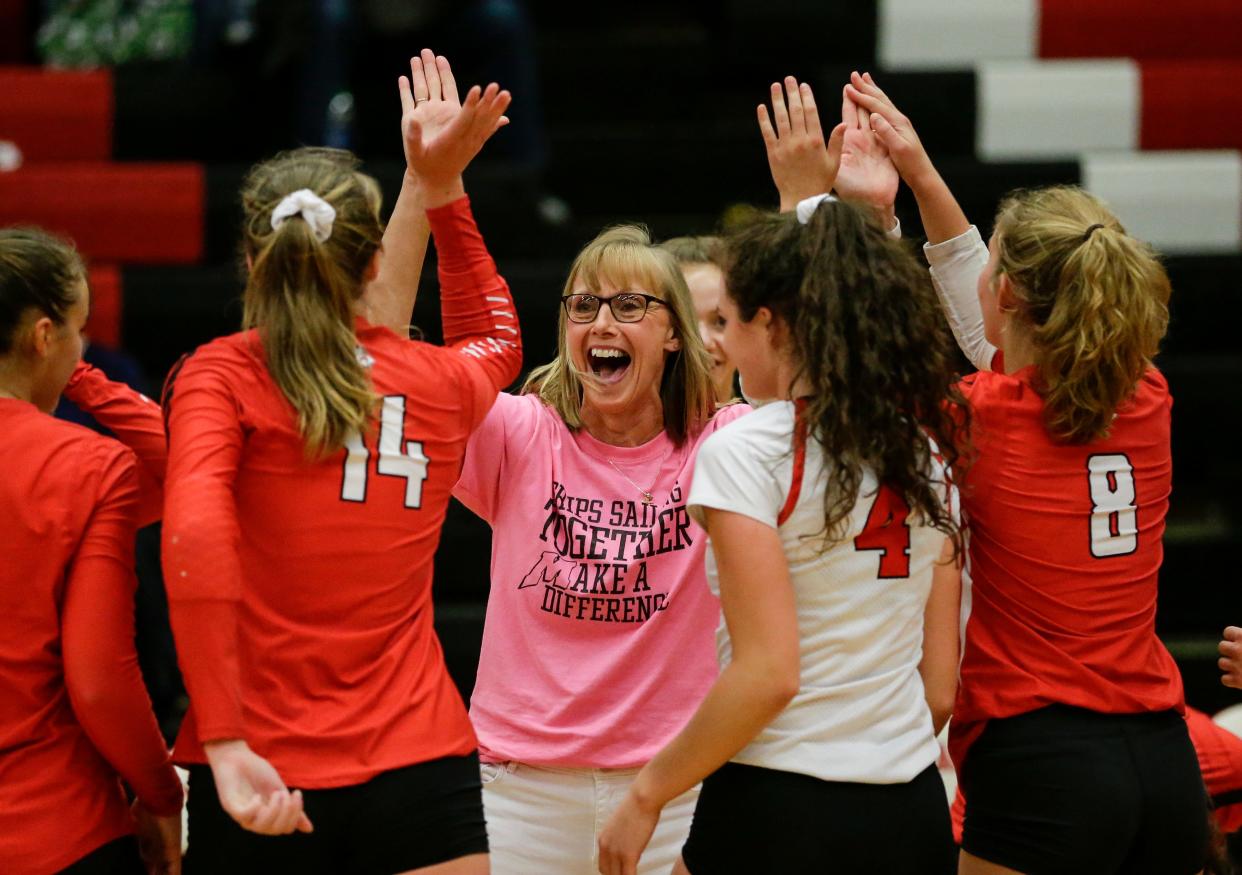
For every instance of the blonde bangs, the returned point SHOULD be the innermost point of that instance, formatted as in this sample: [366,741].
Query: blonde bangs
[624,256]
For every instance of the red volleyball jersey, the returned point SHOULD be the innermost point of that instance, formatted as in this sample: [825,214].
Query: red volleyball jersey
[1220,760]
[1064,553]
[136,421]
[73,709]
[300,588]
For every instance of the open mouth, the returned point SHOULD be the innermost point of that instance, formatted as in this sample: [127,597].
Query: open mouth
[608,364]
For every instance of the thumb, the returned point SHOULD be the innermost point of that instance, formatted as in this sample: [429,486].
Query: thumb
[836,142]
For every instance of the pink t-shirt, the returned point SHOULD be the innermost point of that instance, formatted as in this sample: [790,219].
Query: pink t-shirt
[600,635]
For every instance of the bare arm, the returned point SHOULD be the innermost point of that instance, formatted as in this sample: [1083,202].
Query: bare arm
[757,598]
[954,250]
[941,638]
[388,299]
[429,105]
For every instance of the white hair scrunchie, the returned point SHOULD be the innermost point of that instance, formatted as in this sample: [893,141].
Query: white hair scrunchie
[807,206]
[314,210]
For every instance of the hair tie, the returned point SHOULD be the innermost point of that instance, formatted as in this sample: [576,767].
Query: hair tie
[1090,231]
[807,207]
[314,210]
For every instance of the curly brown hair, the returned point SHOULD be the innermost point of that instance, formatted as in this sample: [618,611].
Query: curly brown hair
[867,334]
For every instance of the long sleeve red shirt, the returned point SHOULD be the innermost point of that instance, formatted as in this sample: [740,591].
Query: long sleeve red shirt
[74,714]
[300,588]
[136,421]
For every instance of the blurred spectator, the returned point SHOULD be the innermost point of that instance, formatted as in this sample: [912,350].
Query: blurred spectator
[105,33]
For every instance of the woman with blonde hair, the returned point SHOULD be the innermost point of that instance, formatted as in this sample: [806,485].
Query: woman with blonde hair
[598,642]
[1068,731]
[311,459]
[599,624]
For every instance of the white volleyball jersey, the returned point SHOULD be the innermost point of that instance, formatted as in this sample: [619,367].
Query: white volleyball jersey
[860,713]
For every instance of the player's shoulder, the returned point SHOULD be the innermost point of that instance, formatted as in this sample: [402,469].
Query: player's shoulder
[85,452]
[1153,385]
[416,364]
[232,352]
[751,433]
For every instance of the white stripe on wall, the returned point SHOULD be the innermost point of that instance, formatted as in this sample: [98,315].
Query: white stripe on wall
[1177,201]
[1056,109]
[955,34]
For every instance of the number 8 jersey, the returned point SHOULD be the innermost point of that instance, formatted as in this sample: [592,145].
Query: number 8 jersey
[1065,540]
[300,587]
[1065,550]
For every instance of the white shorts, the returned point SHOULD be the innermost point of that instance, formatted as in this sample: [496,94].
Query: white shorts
[545,820]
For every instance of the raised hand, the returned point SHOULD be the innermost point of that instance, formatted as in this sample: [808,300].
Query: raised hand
[252,792]
[440,140]
[893,129]
[429,100]
[866,174]
[802,164]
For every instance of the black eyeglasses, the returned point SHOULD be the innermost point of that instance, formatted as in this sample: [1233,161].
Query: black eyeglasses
[625,306]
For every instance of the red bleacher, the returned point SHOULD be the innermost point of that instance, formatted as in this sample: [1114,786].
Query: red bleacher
[142,213]
[104,324]
[57,115]
[1142,29]
[1192,104]
[116,213]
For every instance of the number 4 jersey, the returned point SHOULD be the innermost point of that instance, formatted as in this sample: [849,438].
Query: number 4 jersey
[860,713]
[1065,548]
[300,587]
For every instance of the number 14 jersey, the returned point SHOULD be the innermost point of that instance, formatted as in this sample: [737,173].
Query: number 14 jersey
[1065,550]
[300,587]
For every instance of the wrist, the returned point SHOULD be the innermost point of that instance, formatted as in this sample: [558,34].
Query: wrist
[887,216]
[645,795]
[437,193]
[924,182]
[224,748]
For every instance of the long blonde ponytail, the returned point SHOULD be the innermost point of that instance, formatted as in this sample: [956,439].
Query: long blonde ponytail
[1094,299]
[301,292]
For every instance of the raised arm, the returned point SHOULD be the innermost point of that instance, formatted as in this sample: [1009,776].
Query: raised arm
[867,174]
[136,421]
[479,317]
[429,103]
[954,249]
[942,218]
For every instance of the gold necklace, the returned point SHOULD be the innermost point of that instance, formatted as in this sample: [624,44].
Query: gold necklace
[645,493]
